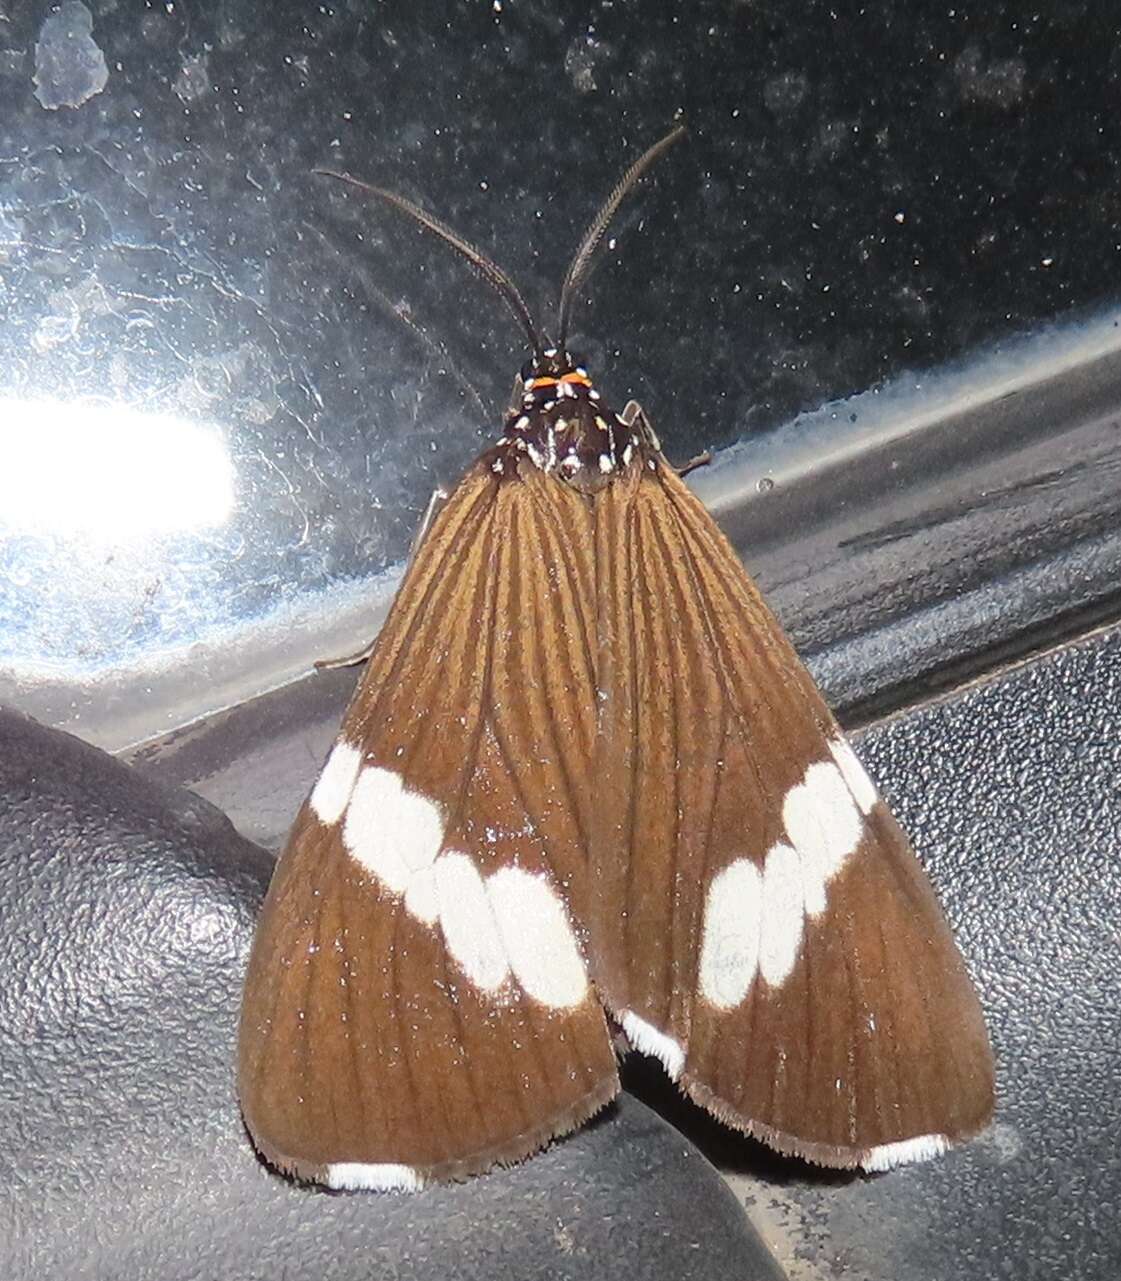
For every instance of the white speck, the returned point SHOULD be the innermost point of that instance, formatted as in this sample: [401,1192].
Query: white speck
[606,464]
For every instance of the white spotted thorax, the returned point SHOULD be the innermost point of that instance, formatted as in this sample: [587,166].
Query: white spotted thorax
[561,425]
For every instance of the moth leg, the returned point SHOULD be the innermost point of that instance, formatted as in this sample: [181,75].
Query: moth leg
[351,660]
[435,503]
[516,397]
[698,460]
[634,416]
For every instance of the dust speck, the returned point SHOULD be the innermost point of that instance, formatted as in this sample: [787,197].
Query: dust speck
[784,94]
[193,79]
[69,65]
[581,59]
[997,84]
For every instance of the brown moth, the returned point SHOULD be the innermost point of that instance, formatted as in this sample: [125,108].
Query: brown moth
[586,782]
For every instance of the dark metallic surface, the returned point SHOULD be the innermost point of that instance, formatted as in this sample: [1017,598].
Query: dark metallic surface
[227,389]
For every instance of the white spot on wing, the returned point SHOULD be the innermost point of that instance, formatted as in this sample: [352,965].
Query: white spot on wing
[859,784]
[755,921]
[353,1176]
[512,921]
[332,790]
[422,897]
[824,826]
[780,933]
[730,946]
[888,1155]
[646,1039]
[538,937]
[470,930]
[606,463]
[392,832]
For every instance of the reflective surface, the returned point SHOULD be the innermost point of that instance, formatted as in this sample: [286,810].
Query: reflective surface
[227,389]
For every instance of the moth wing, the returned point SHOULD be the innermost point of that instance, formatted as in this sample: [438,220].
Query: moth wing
[417,1005]
[759,921]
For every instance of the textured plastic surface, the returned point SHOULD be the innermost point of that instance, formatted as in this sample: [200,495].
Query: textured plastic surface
[127,911]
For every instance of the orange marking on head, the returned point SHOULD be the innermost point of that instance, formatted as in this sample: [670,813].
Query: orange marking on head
[581,380]
[534,383]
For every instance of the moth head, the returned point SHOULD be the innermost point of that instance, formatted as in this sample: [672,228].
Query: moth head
[556,364]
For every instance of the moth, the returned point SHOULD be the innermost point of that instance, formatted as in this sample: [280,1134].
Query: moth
[585,785]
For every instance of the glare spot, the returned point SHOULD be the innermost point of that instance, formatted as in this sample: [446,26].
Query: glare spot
[110,471]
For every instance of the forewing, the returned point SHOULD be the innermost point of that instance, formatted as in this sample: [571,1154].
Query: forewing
[758,919]
[417,1005]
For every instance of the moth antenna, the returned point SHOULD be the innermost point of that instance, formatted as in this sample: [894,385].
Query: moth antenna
[491,272]
[581,262]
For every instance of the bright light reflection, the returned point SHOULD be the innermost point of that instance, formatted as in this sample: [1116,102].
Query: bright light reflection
[110,471]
